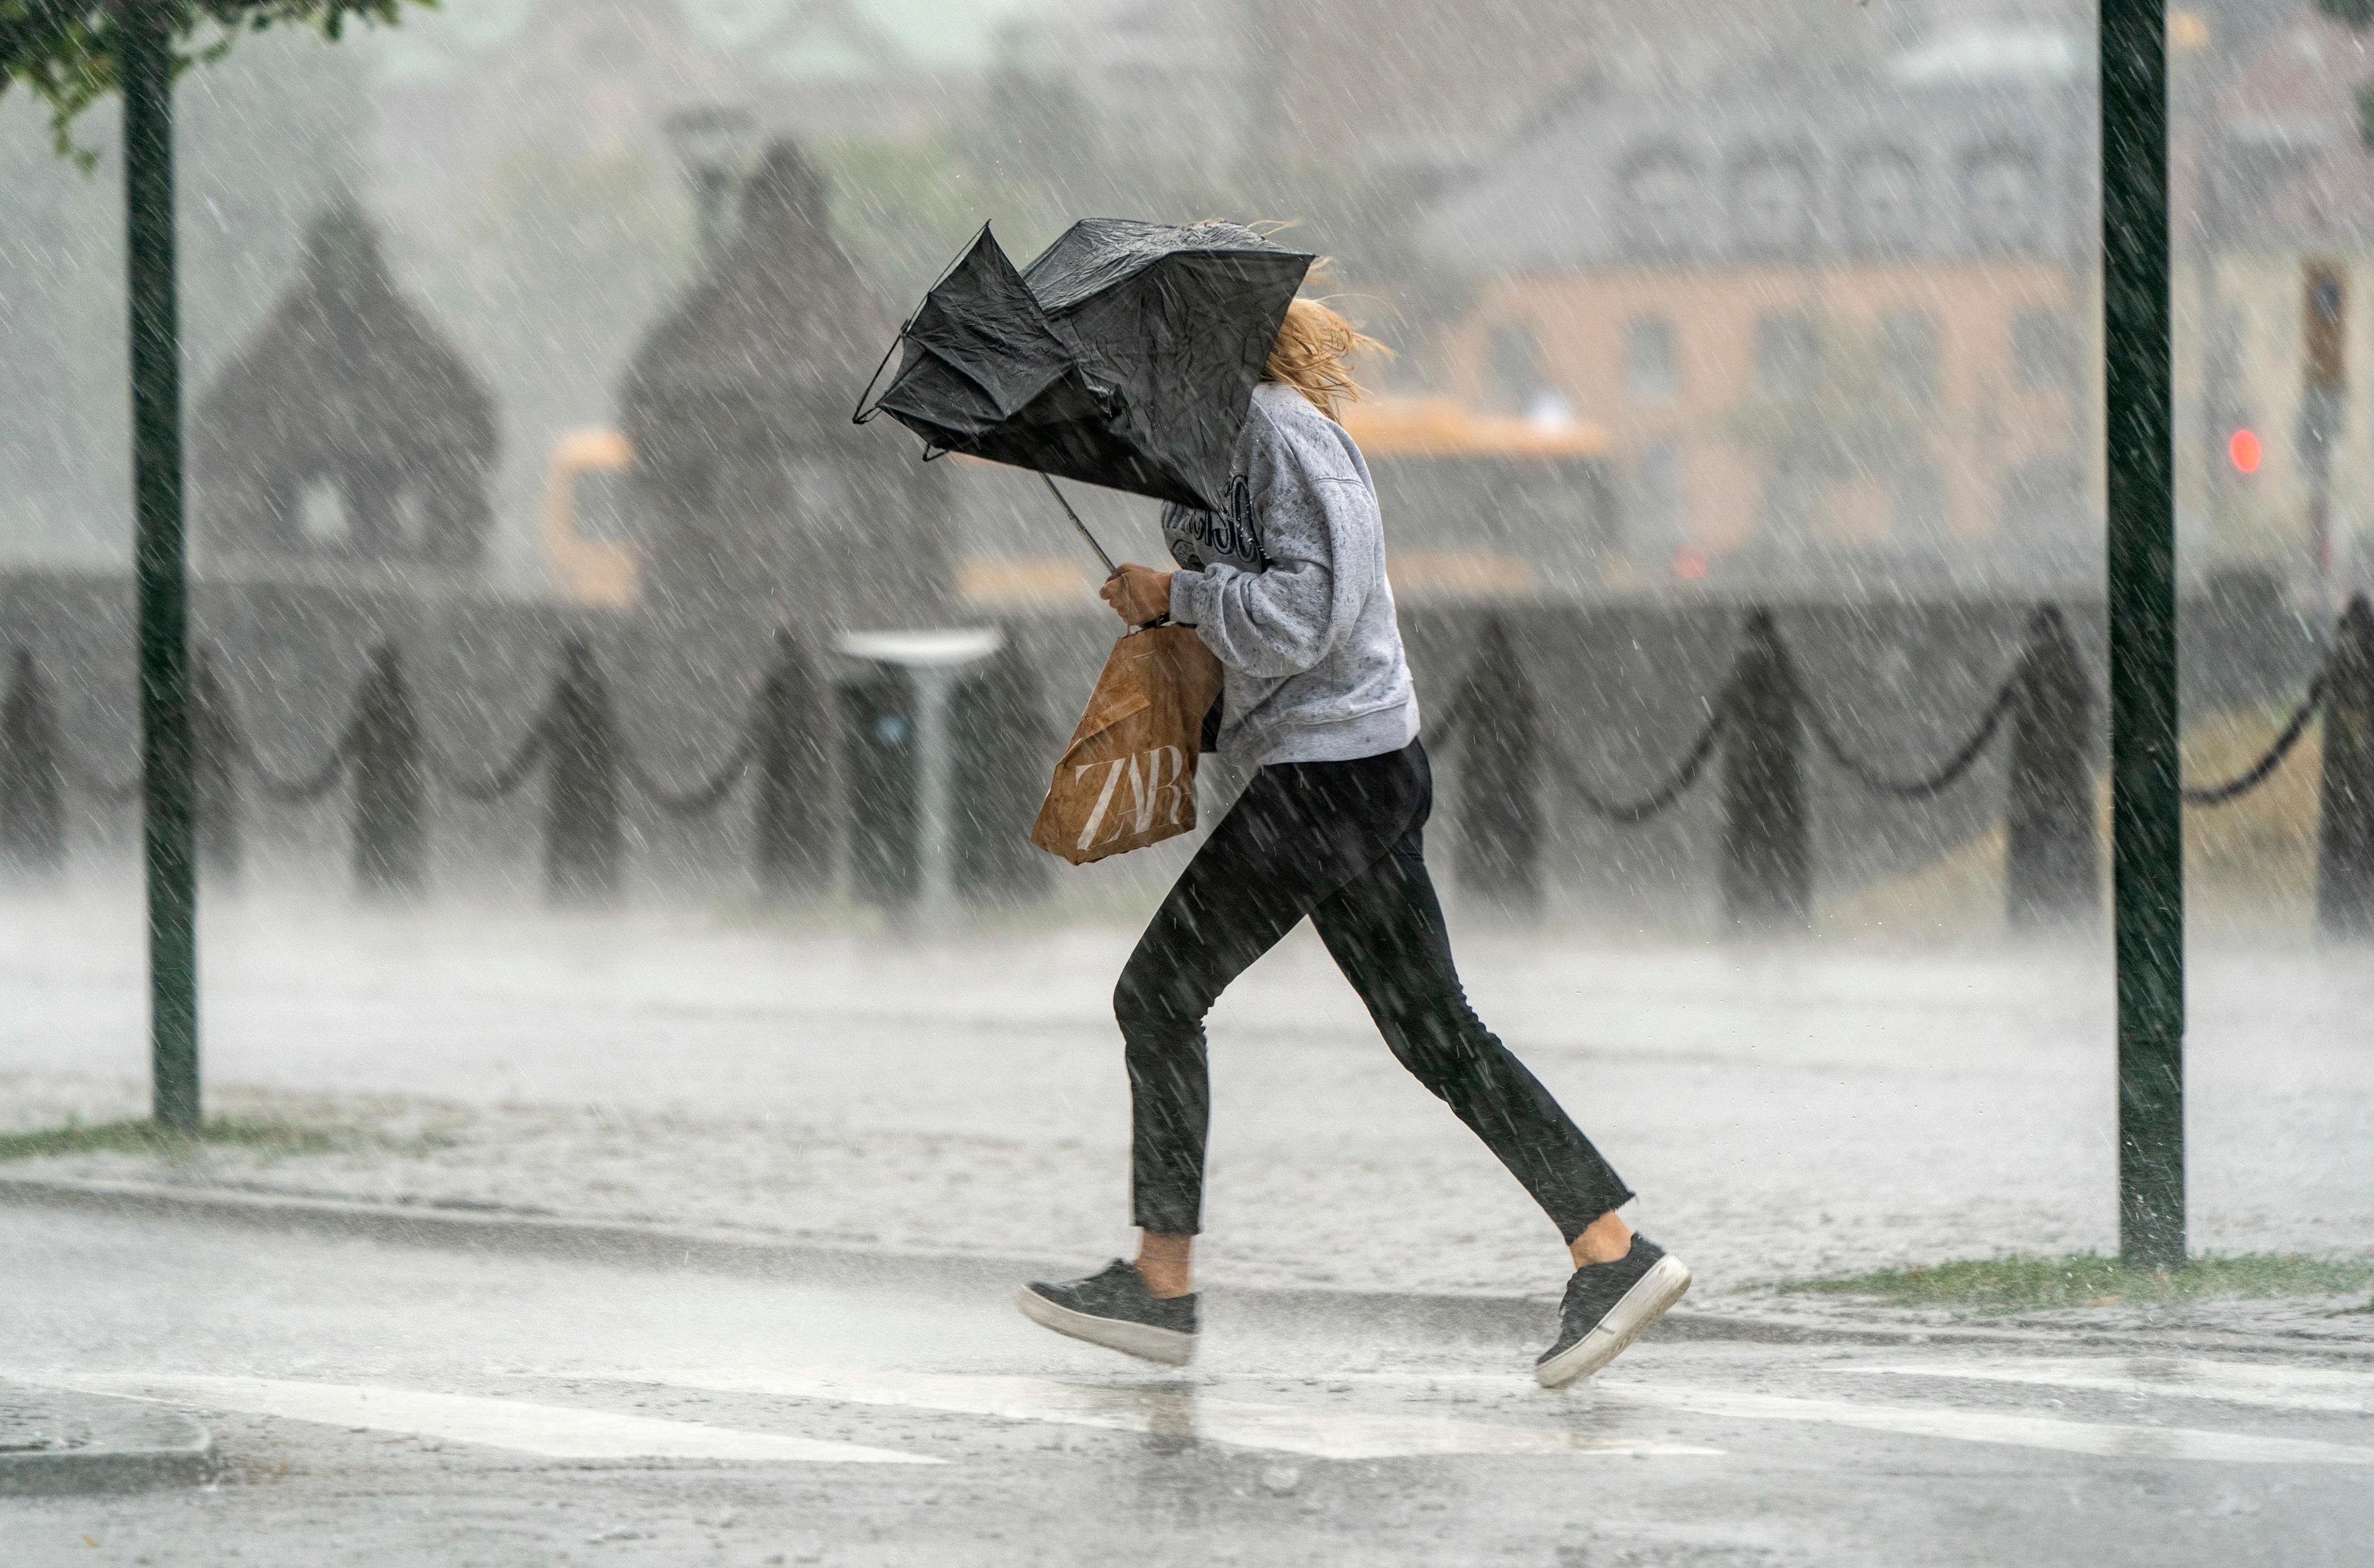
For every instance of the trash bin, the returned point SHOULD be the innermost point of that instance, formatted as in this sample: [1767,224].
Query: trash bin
[897,725]
[879,762]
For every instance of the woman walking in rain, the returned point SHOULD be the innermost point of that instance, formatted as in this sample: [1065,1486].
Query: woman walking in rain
[1287,586]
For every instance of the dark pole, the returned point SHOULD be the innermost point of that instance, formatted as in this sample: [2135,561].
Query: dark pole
[2344,847]
[2323,396]
[2146,806]
[1767,877]
[163,588]
[2052,854]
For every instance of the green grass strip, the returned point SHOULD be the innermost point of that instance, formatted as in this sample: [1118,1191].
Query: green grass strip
[2086,1278]
[148,1138]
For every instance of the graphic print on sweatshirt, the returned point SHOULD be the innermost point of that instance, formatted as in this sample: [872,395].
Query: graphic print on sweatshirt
[1199,539]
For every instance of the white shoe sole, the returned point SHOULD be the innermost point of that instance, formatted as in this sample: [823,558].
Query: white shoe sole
[1148,1343]
[1645,1302]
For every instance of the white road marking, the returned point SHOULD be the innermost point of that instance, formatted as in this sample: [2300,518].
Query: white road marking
[559,1431]
[1992,1426]
[2234,1383]
[1180,1410]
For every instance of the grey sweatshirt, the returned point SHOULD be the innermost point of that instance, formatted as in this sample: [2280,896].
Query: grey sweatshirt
[1287,586]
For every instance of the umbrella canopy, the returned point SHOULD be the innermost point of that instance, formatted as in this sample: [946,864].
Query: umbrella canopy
[1125,355]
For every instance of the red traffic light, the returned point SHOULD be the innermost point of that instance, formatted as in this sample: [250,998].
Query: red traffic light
[2243,450]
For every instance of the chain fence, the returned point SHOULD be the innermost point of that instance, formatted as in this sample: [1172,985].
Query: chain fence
[2262,770]
[1965,757]
[1657,802]
[1753,724]
[2046,701]
[574,742]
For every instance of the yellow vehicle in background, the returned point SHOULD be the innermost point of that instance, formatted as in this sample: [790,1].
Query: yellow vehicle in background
[587,546]
[1478,505]
[1484,505]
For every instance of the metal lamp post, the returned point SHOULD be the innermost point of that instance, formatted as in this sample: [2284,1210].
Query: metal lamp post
[2325,396]
[159,564]
[2147,803]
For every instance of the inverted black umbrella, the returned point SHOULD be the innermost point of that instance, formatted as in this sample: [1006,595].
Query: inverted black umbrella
[1125,355]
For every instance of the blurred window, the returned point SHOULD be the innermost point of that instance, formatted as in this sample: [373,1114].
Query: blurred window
[1788,352]
[1918,494]
[1661,192]
[1656,512]
[1514,363]
[1907,355]
[1771,193]
[2044,349]
[1648,369]
[1792,492]
[321,512]
[1998,196]
[1884,198]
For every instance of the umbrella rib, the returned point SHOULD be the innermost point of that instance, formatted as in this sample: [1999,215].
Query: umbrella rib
[861,414]
[1108,560]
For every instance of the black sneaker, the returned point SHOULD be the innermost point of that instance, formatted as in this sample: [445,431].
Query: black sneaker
[1115,1309]
[1606,1307]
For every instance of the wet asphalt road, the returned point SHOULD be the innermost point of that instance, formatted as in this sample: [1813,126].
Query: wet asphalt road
[388,1405]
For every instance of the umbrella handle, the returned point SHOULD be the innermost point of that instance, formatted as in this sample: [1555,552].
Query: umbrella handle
[861,414]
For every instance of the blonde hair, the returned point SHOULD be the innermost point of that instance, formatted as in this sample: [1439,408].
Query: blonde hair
[1310,352]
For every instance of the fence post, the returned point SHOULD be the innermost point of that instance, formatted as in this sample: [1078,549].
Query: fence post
[2344,846]
[1002,752]
[389,781]
[1499,803]
[1767,878]
[215,740]
[580,811]
[791,823]
[32,792]
[2052,854]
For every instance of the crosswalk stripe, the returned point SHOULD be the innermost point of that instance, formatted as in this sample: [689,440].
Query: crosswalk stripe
[559,1431]
[1993,1426]
[1180,1410]
[2234,1383]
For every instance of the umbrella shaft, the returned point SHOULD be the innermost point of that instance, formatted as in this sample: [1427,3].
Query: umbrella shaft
[1108,560]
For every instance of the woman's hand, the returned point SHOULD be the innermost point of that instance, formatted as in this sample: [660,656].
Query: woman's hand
[1138,594]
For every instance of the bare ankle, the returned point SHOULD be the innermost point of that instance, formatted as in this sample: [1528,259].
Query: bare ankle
[1166,1264]
[1604,1240]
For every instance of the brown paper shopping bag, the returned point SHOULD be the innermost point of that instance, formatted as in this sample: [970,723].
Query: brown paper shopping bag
[1128,778]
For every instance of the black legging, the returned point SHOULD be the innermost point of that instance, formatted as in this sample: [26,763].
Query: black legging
[1342,842]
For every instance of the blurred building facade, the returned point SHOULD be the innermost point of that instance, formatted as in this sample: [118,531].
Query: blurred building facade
[528,160]
[756,498]
[517,157]
[1833,304]
[1231,85]
[347,431]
